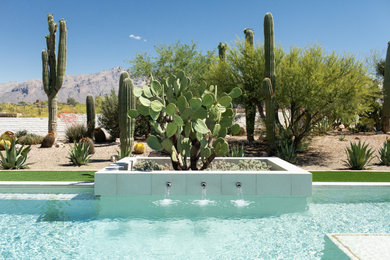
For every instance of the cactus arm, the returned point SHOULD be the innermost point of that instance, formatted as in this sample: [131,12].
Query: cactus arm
[222,51]
[45,72]
[61,64]
[269,48]
[51,49]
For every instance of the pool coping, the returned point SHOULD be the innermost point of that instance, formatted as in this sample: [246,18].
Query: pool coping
[91,184]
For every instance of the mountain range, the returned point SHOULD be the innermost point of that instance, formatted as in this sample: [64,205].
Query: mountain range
[75,86]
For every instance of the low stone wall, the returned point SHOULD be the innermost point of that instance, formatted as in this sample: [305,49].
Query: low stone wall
[39,126]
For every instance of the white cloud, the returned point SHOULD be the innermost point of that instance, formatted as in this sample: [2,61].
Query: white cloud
[135,37]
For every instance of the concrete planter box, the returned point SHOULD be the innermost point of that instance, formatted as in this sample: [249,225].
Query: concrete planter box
[284,179]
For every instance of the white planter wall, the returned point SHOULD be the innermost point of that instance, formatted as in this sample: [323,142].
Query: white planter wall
[284,179]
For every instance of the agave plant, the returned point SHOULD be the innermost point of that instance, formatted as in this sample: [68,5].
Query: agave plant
[14,158]
[79,154]
[358,155]
[384,153]
[237,151]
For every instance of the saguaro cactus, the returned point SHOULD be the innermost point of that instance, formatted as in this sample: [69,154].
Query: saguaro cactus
[53,70]
[91,115]
[126,102]
[386,94]
[222,51]
[250,103]
[269,81]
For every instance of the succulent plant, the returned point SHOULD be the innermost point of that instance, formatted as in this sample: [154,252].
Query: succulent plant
[91,115]
[48,141]
[269,80]
[53,70]
[222,51]
[194,123]
[14,158]
[126,101]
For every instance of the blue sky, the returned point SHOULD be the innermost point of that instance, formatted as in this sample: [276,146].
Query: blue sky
[98,31]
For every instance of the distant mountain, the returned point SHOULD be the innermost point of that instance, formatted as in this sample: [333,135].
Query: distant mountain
[76,86]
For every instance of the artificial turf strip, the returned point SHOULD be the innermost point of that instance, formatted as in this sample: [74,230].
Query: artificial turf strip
[347,176]
[87,176]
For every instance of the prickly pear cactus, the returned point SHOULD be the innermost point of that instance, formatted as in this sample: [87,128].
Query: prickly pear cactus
[193,125]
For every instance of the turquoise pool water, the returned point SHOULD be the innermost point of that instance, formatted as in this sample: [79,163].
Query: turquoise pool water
[78,227]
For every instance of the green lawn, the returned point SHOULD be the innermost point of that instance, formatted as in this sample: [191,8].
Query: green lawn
[345,176]
[47,176]
[88,176]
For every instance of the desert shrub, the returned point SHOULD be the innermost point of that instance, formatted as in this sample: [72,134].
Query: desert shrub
[384,153]
[79,154]
[285,147]
[358,155]
[108,118]
[30,139]
[14,158]
[21,133]
[75,132]
[48,141]
[323,126]
[236,151]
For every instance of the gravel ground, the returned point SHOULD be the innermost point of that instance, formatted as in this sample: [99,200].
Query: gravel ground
[323,153]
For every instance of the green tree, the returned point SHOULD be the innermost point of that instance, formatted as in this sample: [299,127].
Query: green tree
[244,67]
[170,59]
[313,84]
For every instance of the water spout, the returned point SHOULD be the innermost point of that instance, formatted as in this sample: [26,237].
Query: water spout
[203,184]
[238,184]
[169,184]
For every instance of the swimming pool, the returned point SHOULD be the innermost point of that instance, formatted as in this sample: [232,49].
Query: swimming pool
[76,226]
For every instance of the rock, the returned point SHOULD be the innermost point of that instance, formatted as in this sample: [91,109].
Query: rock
[357,138]
[341,126]
[114,158]
[17,146]
[59,144]
[118,141]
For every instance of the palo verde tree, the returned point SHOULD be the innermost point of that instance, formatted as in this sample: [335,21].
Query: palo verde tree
[171,59]
[53,69]
[313,84]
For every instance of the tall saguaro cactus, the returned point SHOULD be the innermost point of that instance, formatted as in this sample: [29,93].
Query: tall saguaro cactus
[53,70]
[386,94]
[269,81]
[222,51]
[91,115]
[250,104]
[126,102]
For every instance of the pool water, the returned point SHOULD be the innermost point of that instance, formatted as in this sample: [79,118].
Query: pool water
[149,227]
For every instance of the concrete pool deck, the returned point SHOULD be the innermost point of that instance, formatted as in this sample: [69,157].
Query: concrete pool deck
[358,246]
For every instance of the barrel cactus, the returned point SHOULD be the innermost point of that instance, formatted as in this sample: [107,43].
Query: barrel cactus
[187,124]
[53,70]
[126,101]
[91,116]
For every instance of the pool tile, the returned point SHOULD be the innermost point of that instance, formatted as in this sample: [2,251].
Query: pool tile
[274,184]
[178,182]
[248,184]
[194,181]
[129,184]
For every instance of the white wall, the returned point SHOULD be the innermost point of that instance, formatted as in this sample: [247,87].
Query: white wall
[39,126]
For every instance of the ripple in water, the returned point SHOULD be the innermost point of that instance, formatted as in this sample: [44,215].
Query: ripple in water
[165,202]
[204,202]
[241,203]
